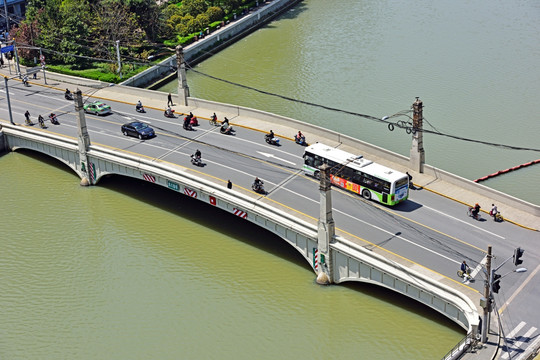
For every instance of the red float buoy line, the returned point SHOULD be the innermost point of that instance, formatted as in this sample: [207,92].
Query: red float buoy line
[507,170]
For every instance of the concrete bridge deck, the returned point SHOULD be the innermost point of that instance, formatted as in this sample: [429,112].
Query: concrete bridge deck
[435,180]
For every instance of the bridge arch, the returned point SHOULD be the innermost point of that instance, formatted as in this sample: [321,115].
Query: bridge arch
[348,261]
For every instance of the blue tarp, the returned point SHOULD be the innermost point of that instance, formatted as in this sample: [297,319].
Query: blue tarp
[6,49]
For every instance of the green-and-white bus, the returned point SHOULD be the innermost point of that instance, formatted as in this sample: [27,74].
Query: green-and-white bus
[356,174]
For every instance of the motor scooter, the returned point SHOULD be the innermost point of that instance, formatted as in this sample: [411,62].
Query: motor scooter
[497,217]
[258,188]
[169,114]
[471,213]
[54,120]
[300,140]
[227,130]
[140,109]
[271,140]
[196,160]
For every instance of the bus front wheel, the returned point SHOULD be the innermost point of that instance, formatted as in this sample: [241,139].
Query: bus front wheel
[366,194]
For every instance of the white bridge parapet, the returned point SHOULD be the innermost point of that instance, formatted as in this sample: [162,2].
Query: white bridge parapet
[351,262]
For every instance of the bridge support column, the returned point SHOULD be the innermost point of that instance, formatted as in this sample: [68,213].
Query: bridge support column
[83,140]
[183,89]
[326,228]
[418,156]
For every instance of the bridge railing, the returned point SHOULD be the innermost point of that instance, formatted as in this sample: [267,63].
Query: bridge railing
[461,347]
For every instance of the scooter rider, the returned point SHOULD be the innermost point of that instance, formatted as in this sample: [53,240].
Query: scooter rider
[41,120]
[198,154]
[270,135]
[225,127]
[476,210]
[27,116]
[139,105]
[257,183]
[53,119]
[494,210]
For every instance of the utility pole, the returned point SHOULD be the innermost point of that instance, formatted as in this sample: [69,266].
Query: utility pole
[326,227]
[42,63]
[487,296]
[418,156]
[183,89]
[8,102]
[83,138]
[17,59]
[118,56]
[7,16]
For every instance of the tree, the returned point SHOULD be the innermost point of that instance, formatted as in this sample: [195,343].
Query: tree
[214,13]
[193,7]
[113,21]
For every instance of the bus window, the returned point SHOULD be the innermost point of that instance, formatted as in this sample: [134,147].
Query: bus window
[318,161]
[402,182]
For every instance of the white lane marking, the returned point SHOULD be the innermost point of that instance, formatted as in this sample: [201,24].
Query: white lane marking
[452,217]
[479,267]
[275,157]
[523,284]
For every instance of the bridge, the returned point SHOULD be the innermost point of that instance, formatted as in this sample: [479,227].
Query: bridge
[354,253]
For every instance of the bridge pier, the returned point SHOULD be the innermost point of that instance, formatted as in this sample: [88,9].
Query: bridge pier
[83,140]
[183,89]
[418,155]
[326,229]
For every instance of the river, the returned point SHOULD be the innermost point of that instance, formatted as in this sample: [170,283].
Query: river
[125,270]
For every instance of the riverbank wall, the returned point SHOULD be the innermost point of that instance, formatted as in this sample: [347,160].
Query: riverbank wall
[212,43]
[3,144]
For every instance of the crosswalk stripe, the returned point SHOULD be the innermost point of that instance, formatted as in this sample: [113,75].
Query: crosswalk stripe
[479,267]
[518,344]
[516,329]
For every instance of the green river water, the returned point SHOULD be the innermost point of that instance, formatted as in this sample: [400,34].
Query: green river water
[125,270]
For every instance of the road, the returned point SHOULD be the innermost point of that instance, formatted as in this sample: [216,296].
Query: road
[429,230]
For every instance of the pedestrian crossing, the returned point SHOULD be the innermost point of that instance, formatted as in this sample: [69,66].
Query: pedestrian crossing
[514,342]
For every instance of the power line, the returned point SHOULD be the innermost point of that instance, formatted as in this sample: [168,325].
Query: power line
[408,126]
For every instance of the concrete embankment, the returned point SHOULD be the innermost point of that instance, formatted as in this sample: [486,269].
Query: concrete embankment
[214,42]
[2,141]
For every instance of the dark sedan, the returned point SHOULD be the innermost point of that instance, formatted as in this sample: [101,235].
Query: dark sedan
[138,129]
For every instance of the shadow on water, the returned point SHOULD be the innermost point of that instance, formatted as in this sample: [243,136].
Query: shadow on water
[204,214]
[402,302]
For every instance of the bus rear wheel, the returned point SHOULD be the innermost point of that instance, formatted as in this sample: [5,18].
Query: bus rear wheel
[366,194]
